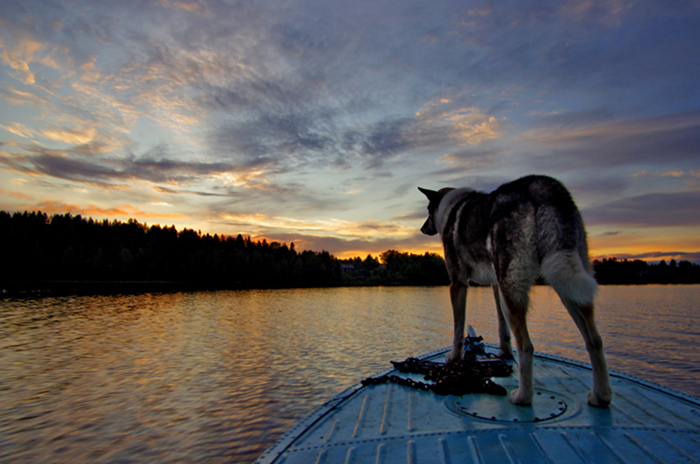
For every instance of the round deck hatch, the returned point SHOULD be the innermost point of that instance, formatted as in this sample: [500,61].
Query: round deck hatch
[546,405]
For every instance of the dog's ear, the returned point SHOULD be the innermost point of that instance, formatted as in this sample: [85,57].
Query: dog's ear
[432,195]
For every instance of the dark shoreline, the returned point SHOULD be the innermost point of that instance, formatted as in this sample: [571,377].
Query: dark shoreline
[67,288]
[85,288]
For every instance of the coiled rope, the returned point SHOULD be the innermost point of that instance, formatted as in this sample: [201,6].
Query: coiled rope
[472,374]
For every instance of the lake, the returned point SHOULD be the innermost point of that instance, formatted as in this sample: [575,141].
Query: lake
[219,376]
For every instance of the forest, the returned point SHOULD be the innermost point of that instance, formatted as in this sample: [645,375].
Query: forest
[612,271]
[40,250]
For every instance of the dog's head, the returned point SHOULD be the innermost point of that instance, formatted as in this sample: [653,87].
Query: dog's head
[434,198]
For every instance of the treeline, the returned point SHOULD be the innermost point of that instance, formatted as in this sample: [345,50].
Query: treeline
[394,267]
[612,271]
[38,248]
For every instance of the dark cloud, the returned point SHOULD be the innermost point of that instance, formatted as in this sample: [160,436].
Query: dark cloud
[72,169]
[415,216]
[657,141]
[108,171]
[650,210]
[275,139]
[575,118]
[598,184]
[386,138]
[602,47]
[189,192]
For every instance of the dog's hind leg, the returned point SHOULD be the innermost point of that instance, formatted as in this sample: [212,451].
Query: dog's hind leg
[458,296]
[583,316]
[568,275]
[516,302]
[505,350]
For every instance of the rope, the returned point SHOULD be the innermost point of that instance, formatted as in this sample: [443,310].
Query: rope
[469,375]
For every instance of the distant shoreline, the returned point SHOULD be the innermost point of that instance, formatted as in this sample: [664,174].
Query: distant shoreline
[65,254]
[86,288]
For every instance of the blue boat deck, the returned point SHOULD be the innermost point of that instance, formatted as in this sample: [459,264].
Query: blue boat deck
[390,423]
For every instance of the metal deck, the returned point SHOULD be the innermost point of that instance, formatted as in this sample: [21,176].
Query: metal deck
[389,423]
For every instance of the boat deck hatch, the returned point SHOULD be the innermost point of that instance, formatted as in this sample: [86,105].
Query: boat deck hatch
[546,405]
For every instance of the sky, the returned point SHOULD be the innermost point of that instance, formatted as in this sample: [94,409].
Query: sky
[314,122]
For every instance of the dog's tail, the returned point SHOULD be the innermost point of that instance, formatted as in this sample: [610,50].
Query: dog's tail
[570,276]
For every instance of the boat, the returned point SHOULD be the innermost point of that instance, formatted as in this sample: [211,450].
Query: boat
[389,422]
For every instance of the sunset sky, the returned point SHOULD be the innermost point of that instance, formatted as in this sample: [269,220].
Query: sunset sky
[313,122]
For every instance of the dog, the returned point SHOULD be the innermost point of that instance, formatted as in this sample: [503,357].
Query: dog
[524,230]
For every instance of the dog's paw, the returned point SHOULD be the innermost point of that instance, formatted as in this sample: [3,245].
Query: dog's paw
[599,400]
[519,398]
[453,356]
[505,353]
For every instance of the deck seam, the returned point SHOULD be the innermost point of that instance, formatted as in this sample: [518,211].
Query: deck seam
[562,429]
[680,450]
[612,450]
[642,447]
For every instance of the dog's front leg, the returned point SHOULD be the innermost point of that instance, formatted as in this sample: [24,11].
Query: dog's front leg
[505,350]
[458,296]
[516,303]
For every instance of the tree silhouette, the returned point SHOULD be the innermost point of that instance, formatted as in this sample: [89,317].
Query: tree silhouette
[626,272]
[38,248]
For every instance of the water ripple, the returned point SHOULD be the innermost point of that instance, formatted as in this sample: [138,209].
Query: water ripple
[219,376]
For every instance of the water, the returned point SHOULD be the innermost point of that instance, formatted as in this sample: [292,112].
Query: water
[219,376]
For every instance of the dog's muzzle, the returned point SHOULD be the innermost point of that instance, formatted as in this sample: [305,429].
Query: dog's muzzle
[429,227]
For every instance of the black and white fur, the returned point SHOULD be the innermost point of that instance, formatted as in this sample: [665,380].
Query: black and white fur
[524,230]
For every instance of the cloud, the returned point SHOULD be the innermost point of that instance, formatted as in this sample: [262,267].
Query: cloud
[598,48]
[126,211]
[660,140]
[431,129]
[21,98]
[78,137]
[20,130]
[110,172]
[187,6]
[20,195]
[649,210]
[262,223]
[280,142]
[344,238]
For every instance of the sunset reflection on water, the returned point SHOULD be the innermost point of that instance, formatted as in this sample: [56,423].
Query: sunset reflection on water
[219,376]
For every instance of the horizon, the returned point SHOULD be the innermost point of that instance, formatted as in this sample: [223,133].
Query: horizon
[315,123]
[651,259]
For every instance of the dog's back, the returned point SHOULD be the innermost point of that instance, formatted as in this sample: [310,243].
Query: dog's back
[536,222]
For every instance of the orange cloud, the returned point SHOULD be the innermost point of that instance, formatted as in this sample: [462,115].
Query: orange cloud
[466,125]
[78,137]
[20,130]
[92,210]
[557,136]
[182,5]
[333,227]
[19,195]
[19,98]
[653,244]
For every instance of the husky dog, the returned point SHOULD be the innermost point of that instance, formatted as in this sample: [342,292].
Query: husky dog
[524,230]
